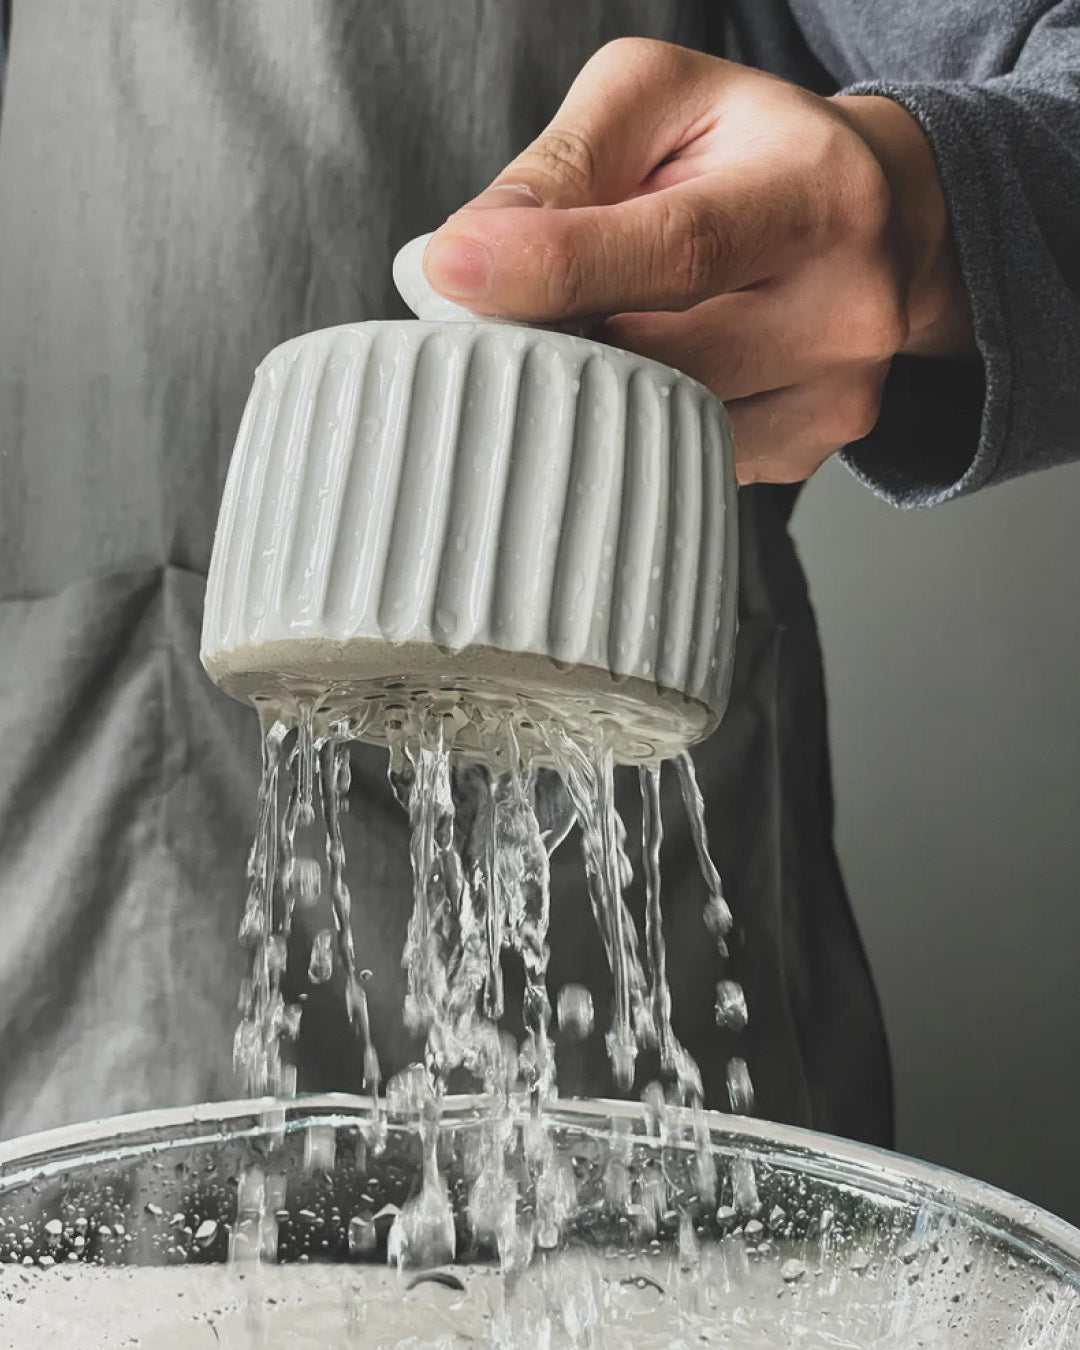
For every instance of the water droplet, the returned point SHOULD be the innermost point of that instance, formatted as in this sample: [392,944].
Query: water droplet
[363,1237]
[321,965]
[731,1009]
[744,1186]
[307,878]
[291,1013]
[717,916]
[253,924]
[740,1089]
[574,1008]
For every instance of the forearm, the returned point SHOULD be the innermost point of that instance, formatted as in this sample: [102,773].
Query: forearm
[1007,151]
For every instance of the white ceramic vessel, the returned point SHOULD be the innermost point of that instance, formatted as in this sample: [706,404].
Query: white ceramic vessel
[448,508]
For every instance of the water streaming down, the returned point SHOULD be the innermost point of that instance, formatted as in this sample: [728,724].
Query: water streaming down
[482,827]
[718,917]
[674,1059]
[588,773]
[335,779]
[256,1042]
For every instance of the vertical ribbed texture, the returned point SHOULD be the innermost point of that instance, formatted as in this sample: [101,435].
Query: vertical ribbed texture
[681,563]
[640,525]
[541,452]
[468,571]
[467,486]
[574,600]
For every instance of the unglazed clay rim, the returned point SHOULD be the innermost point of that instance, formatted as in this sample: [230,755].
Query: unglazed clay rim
[638,720]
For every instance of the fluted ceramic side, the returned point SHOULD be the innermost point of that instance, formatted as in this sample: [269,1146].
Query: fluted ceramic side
[469,485]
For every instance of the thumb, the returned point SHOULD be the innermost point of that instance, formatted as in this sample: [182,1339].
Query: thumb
[630,107]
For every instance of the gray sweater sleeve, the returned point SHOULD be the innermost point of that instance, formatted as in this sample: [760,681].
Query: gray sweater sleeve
[1008,152]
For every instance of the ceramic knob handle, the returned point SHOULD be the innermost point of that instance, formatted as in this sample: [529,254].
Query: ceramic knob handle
[427,304]
[418,293]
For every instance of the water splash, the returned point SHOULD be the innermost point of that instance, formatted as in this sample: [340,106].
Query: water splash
[482,828]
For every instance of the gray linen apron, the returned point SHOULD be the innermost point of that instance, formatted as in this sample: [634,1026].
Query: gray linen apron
[184,184]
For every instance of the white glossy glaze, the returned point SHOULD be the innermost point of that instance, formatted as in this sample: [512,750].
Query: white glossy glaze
[468,485]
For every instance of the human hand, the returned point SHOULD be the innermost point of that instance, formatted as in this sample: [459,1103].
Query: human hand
[777,246]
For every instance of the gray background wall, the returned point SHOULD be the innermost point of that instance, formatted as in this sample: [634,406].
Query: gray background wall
[952,645]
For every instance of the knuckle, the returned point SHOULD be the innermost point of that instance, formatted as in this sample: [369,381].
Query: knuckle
[649,63]
[623,51]
[564,279]
[564,157]
[630,56]
[863,196]
[871,197]
[853,202]
[691,251]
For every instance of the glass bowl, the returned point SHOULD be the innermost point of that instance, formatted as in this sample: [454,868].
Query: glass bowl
[270,1223]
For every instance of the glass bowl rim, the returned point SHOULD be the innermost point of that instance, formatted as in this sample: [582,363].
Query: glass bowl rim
[1037,1232]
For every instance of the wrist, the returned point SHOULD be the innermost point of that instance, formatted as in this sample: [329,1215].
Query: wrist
[936,300]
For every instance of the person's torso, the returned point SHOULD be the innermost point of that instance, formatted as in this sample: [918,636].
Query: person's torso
[183,185]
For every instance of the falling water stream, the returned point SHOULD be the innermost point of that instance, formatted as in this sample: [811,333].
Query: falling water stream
[505,1219]
[482,827]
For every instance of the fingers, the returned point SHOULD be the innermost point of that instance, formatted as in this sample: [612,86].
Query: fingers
[736,345]
[633,219]
[667,250]
[765,338]
[786,435]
